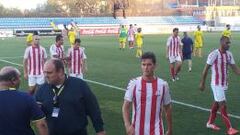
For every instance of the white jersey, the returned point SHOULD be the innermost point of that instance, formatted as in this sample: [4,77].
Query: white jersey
[76,60]
[57,50]
[219,62]
[131,33]
[147,98]
[173,44]
[35,58]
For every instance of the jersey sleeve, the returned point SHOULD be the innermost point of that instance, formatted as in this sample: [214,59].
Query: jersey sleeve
[53,51]
[45,53]
[62,48]
[180,42]
[211,57]
[168,41]
[26,53]
[69,52]
[231,59]
[167,96]
[84,54]
[129,92]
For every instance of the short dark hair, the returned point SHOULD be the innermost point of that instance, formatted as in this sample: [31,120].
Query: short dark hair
[9,76]
[58,37]
[175,29]
[58,64]
[149,55]
[77,40]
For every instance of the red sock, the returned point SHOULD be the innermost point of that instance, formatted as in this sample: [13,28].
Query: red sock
[225,117]
[172,72]
[213,113]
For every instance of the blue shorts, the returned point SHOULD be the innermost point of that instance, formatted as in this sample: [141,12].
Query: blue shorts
[187,56]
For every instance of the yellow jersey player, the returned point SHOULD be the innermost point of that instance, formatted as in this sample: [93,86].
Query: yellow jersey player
[139,42]
[198,42]
[71,36]
[29,39]
[122,37]
[227,32]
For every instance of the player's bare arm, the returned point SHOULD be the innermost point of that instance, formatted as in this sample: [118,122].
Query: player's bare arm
[25,70]
[204,76]
[168,113]
[235,69]
[126,117]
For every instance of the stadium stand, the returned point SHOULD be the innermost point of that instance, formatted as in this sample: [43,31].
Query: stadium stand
[16,23]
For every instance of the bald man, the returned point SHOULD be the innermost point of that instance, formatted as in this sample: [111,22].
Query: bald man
[18,109]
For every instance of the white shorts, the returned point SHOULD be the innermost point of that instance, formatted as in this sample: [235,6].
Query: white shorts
[35,80]
[131,38]
[219,93]
[173,59]
[77,75]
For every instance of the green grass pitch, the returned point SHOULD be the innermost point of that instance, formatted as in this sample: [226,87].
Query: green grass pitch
[108,65]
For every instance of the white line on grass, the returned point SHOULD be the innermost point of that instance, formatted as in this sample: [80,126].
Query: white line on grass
[16,57]
[6,61]
[121,89]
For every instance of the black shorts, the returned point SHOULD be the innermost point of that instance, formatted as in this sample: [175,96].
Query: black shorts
[187,56]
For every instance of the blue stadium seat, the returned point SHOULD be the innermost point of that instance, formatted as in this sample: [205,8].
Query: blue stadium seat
[45,22]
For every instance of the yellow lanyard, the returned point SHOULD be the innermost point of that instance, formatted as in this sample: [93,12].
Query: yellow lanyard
[59,92]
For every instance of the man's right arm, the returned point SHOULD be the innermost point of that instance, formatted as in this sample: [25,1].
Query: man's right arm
[41,126]
[126,117]
[167,47]
[168,113]
[204,76]
[25,63]
[235,68]
[25,70]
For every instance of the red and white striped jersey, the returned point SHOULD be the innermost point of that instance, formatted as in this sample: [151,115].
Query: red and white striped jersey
[219,62]
[57,50]
[147,98]
[36,57]
[76,59]
[173,44]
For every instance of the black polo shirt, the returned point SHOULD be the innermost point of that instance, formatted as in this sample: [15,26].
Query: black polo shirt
[75,103]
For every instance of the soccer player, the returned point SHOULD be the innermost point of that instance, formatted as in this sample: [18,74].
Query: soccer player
[227,32]
[139,42]
[77,65]
[53,25]
[57,49]
[149,95]
[131,34]
[219,60]
[29,39]
[71,36]
[187,50]
[122,37]
[34,58]
[174,54]
[198,42]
